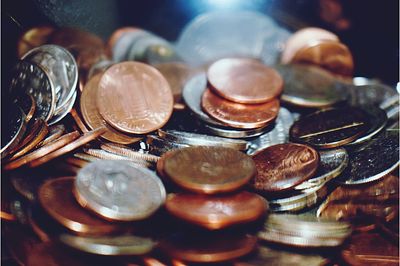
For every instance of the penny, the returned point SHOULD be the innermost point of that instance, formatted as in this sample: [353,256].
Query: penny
[84,139]
[32,38]
[331,55]
[109,187]
[58,201]
[310,86]
[282,167]
[13,126]
[370,249]
[42,151]
[217,211]
[134,98]
[205,247]
[244,80]
[301,38]
[374,160]
[27,104]
[124,245]
[55,132]
[330,128]
[79,161]
[33,80]
[92,117]
[78,121]
[239,115]
[209,170]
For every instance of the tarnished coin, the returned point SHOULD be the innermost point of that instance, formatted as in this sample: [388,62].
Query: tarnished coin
[27,104]
[239,115]
[33,80]
[217,211]
[55,132]
[284,166]
[331,55]
[92,116]
[374,160]
[244,80]
[330,128]
[301,38]
[209,170]
[208,247]
[123,245]
[13,124]
[310,86]
[33,38]
[134,98]
[57,199]
[110,187]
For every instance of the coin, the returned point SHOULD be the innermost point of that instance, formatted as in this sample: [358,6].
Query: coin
[239,115]
[134,98]
[310,86]
[235,133]
[92,117]
[374,94]
[158,146]
[78,121]
[331,55]
[84,139]
[109,187]
[102,154]
[63,111]
[57,199]
[301,38]
[205,247]
[33,80]
[55,132]
[122,46]
[116,35]
[32,38]
[209,170]
[127,152]
[42,151]
[217,211]
[13,126]
[330,128]
[284,166]
[244,80]
[27,104]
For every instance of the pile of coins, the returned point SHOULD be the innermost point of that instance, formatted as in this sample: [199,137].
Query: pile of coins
[256,148]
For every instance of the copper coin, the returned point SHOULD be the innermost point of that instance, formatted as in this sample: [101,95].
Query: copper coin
[55,132]
[206,247]
[27,104]
[78,121]
[244,80]
[301,38]
[331,55]
[42,151]
[217,211]
[134,98]
[284,166]
[239,115]
[330,128]
[92,117]
[57,199]
[33,38]
[209,170]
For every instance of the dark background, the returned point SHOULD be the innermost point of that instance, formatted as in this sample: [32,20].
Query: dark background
[371,28]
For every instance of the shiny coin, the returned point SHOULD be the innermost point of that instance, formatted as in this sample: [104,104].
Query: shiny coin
[206,247]
[84,139]
[57,199]
[374,94]
[134,98]
[331,164]
[121,48]
[33,38]
[110,187]
[235,133]
[239,115]
[124,245]
[244,80]
[209,170]
[55,132]
[217,211]
[33,80]
[63,111]
[330,128]
[27,104]
[92,116]
[284,166]
[78,121]
[116,35]
[102,154]
[13,126]
[374,160]
[310,86]
[130,153]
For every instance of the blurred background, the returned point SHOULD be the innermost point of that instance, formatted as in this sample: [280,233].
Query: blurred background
[370,28]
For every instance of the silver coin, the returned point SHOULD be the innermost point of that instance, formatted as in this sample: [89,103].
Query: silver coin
[161,53]
[159,146]
[361,81]
[105,155]
[138,49]
[99,67]
[215,35]
[32,79]
[195,139]
[62,112]
[122,46]
[61,68]
[13,125]
[235,133]
[119,190]
[370,94]
[273,45]
[123,245]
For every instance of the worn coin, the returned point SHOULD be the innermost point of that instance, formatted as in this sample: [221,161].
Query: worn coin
[33,38]
[217,211]
[13,124]
[109,188]
[284,166]
[244,80]
[209,170]
[134,97]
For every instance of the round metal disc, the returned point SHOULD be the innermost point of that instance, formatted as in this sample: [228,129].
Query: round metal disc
[13,126]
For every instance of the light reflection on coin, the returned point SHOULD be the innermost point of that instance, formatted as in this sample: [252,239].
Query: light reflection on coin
[13,129]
